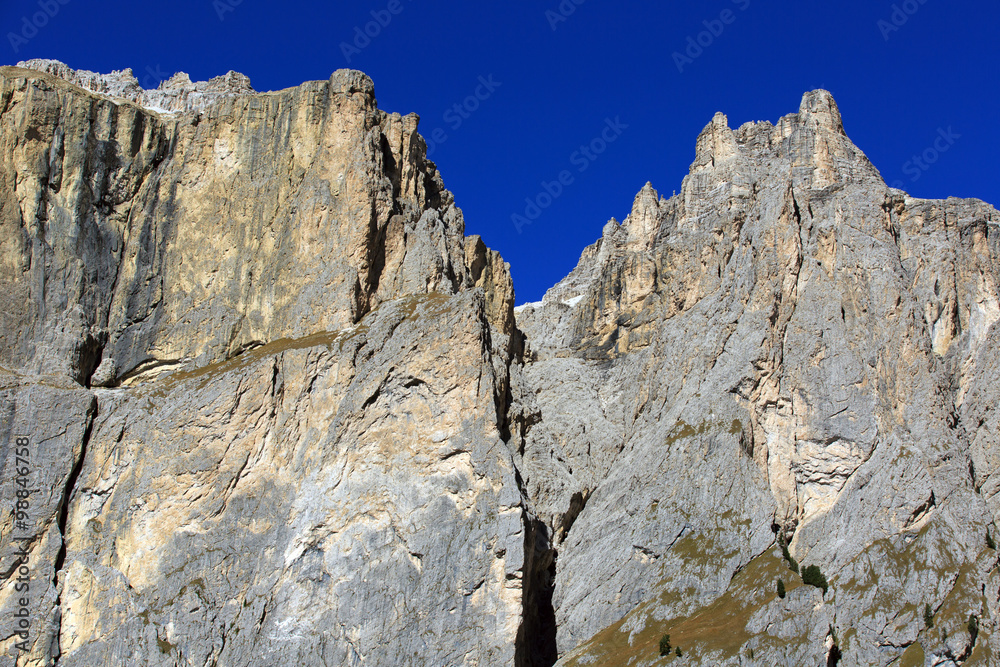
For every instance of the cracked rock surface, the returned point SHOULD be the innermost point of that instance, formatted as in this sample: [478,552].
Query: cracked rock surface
[267,376]
[786,351]
[282,409]
[314,501]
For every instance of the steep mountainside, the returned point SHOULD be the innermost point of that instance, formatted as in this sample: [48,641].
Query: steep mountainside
[787,351]
[322,477]
[282,411]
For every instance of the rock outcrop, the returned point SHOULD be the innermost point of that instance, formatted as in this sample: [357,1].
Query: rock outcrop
[143,244]
[787,352]
[178,94]
[298,453]
[338,499]
[281,410]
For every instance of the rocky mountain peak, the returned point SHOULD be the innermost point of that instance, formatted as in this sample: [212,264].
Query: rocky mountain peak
[819,107]
[643,222]
[265,215]
[286,275]
[788,347]
[716,145]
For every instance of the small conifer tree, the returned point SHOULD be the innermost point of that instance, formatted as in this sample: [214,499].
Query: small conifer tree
[792,565]
[665,645]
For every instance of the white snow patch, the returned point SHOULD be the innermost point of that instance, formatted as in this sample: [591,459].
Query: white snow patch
[575,300]
[159,110]
[524,306]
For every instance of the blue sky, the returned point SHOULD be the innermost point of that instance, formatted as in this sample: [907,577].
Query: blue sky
[566,74]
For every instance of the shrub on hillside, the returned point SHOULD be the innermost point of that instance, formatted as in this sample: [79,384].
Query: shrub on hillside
[812,576]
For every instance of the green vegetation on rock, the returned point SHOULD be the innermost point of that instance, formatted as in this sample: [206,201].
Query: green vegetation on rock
[812,576]
[792,563]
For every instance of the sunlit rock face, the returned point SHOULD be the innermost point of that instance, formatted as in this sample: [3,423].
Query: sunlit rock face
[282,410]
[299,452]
[147,242]
[787,349]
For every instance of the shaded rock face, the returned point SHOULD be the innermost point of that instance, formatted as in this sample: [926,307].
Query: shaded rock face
[281,411]
[787,351]
[44,427]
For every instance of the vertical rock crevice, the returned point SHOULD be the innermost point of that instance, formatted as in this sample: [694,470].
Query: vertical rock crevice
[62,520]
[71,481]
[536,639]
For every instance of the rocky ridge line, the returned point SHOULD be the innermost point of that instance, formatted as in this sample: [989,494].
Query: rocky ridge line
[315,438]
[178,94]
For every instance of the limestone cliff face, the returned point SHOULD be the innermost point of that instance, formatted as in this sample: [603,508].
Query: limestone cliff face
[787,350]
[300,455]
[137,242]
[340,499]
[281,411]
